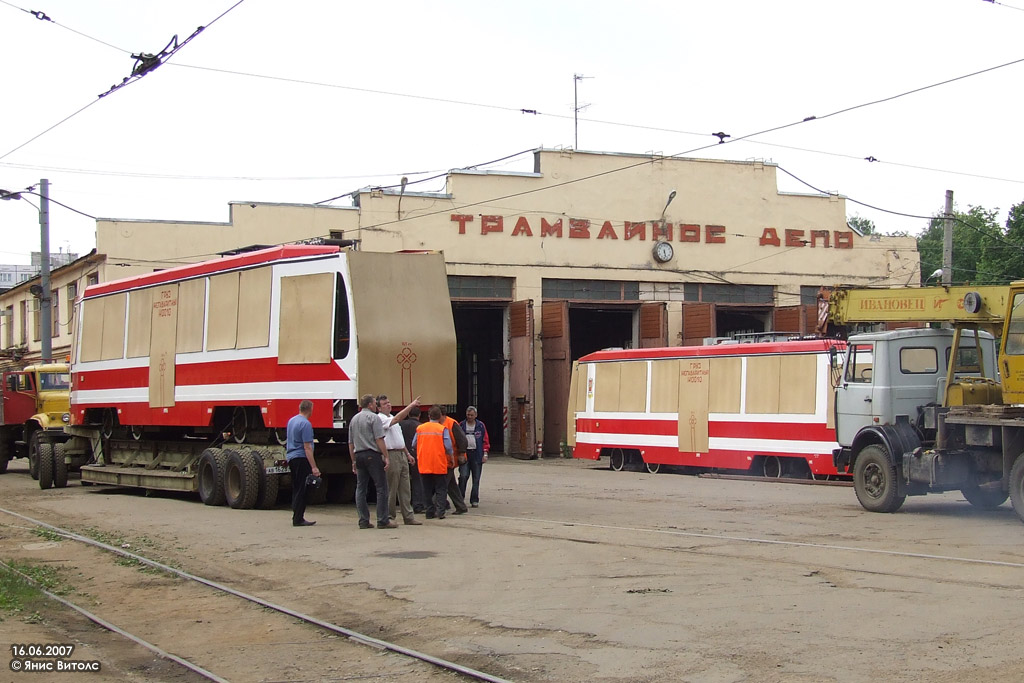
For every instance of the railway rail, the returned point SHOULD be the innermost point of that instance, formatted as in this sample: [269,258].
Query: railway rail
[352,635]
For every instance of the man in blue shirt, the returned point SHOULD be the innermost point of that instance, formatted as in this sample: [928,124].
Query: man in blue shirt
[299,451]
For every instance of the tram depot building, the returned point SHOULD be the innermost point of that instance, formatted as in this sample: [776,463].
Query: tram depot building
[586,252]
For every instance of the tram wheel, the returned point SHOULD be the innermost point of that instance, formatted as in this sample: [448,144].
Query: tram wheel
[772,467]
[617,459]
[653,467]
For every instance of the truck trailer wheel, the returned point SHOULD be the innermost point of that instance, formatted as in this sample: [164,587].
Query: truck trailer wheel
[269,483]
[45,458]
[874,479]
[60,467]
[212,464]
[241,479]
[984,498]
[1017,486]
[33,454]
[6,451]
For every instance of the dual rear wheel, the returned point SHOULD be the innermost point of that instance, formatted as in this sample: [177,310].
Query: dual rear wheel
[237,477]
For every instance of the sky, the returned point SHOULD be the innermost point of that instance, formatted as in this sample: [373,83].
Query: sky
[307,100]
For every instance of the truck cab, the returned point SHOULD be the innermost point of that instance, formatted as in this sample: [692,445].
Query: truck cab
[35,401]
[888,376]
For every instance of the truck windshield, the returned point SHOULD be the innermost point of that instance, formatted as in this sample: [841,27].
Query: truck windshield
[859,363]
[54,381]
[1015,327]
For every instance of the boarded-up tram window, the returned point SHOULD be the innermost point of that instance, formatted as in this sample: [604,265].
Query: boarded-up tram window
[254,308]
[606,387]
[191,315]
[664,386]
[223,326]
[92,329]
[763,379]
[113,327]
[304,335]
[633,387]
[724,389]
[140,322]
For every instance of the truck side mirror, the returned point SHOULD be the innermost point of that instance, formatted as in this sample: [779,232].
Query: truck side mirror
[12,382]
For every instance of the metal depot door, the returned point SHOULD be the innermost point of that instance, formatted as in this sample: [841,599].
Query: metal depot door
[522,428]
[557,372]
[653,325]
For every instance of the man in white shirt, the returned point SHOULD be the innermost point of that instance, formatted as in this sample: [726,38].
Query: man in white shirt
[399,490]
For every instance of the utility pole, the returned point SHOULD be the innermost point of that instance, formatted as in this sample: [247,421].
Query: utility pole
[947,241]
[45,324]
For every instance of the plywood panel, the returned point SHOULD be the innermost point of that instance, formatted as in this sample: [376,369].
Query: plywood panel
[606,386]
[633,387]
[406,341]
[694,376]
[223,309]
[306,319]
[162,346]
[798,388]
[92,329]
[724,392]
[581,388]
[830,418]
[254,308]
[113,326]
[763,384]
[665,386]
[191,315]
[570,413]
[140,322]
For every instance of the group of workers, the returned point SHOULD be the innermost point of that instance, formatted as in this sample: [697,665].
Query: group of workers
[412,464]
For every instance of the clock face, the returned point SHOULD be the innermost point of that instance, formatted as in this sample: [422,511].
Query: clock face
[663,252]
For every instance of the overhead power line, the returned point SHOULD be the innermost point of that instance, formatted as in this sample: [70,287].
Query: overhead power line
[42,16]
[144,64]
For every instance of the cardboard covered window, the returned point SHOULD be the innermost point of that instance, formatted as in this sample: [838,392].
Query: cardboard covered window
[305,322]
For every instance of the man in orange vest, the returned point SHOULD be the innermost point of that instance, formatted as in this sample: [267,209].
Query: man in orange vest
[458,437]
[434,459]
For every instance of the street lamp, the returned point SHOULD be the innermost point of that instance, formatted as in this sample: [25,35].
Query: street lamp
[45,324]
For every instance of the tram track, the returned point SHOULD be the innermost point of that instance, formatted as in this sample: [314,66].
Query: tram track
[718,553]
[349,634]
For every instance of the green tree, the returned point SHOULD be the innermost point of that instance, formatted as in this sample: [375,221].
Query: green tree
[864,226]
[1006,257]
[975,234]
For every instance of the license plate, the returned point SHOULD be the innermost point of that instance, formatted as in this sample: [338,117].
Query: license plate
[275,469]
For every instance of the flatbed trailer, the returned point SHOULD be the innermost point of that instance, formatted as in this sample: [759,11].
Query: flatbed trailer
[184,379]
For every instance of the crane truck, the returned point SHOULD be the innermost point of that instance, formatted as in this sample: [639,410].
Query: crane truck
[927,409]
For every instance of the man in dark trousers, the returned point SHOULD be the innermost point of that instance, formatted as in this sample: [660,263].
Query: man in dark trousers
[409,425]
[434,460]
[458,437]
[369,461]
[299,451]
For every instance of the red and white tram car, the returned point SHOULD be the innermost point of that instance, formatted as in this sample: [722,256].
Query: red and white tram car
[764,409]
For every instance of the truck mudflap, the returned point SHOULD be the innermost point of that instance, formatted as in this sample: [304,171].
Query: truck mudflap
[841,459]
[900,440]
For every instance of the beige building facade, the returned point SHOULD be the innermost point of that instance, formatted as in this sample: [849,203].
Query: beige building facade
[587,251]
[21,332]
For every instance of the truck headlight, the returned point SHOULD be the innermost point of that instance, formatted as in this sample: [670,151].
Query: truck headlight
[65,418]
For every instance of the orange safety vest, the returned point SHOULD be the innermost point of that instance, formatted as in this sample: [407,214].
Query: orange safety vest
[430,455]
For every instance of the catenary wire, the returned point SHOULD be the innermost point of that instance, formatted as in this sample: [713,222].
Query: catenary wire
[42,16]
[125,82]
